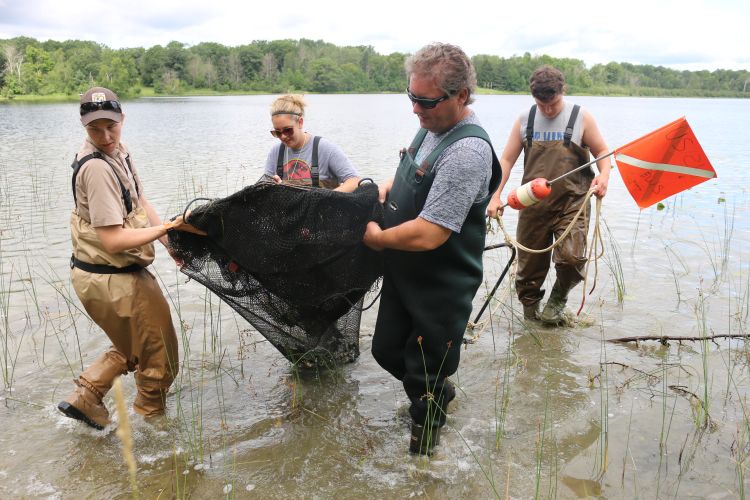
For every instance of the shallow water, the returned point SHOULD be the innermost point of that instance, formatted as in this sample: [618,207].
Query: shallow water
[553,412]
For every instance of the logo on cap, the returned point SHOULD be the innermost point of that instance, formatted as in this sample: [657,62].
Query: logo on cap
[98,97]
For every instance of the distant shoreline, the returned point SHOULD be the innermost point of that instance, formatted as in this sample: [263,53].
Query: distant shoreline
[149,92]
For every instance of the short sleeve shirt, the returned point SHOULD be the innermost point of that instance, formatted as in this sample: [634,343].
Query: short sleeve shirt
[333,164]
[462,177]
[98,194]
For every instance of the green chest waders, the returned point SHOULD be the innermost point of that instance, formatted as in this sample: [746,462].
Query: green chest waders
[427,296]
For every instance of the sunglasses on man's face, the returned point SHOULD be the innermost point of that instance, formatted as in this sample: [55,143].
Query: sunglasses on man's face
[424,102]
[89,107]
[283,132]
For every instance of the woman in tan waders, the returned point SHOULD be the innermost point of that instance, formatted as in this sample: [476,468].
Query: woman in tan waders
[113,227]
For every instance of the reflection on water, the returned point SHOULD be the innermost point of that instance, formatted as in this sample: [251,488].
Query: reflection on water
[551,411]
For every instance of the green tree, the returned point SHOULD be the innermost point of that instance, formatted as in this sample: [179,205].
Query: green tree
[119,73]
[37,63]
[352,79]
[154,63]
[325,76]
[251,61]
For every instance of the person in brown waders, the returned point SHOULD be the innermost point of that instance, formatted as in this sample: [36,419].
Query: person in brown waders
[433,237]
[113,227]
[556,137]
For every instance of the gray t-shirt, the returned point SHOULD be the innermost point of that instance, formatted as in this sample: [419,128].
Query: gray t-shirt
[554,129]
[332,162]
[462,177]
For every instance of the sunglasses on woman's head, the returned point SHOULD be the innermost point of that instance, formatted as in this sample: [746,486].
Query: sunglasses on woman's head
[424,102]
[90,107]
[284,131]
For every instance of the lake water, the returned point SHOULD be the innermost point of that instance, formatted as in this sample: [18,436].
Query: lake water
[554,412]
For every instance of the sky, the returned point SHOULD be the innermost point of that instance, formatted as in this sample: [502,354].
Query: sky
[681,34]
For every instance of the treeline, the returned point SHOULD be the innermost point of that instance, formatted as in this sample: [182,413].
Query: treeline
[30,67]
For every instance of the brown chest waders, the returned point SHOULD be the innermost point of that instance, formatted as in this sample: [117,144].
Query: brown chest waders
[539,224]
[125,301]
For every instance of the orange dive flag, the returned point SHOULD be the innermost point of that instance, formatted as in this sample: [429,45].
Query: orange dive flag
[663,163]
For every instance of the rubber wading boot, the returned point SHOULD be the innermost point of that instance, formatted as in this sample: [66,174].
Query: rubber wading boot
[86,405]
[85,402]
[531,312]
[554,310]
[423,439]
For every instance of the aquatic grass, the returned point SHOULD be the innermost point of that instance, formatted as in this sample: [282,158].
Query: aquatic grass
[665,425]
[675,278]
[5,311]
[10,353]
[703,410]
[602,452]
[502,403]
[635,232]
[539,445]
[718,256]
[31,288]
[725,238]
[190,421]
[628,452]
[740,449]
[614,263]
[432,406]
[70,305]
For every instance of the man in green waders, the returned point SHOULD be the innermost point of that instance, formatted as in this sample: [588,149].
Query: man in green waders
[556,137]
[433,237]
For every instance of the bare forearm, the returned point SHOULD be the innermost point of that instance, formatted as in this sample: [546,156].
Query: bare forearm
[348,185]
[153,218]
[416,235]
[116,239]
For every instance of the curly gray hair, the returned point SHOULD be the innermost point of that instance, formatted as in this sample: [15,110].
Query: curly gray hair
[448,65]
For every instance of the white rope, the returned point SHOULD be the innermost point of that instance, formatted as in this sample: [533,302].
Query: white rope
[596,240]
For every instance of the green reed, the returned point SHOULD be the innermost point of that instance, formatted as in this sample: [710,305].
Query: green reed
[703,409]
[666,424]
[539,447]
[5,292]
[502,400]
[61,291]
[31,287]
[675,277]
[628,452]
[614,263]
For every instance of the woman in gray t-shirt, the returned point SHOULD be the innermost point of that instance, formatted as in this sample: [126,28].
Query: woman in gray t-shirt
[302,158]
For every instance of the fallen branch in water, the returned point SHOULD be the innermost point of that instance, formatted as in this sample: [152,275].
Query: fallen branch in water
[665,338]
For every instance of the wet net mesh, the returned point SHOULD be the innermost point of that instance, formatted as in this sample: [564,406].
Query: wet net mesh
[291,261]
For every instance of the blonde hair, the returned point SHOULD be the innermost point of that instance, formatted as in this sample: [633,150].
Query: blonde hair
[289,104]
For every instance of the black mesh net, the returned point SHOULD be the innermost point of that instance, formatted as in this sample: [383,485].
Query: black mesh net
[291,261]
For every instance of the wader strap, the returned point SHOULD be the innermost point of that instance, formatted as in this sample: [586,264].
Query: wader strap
[462,132]
[571,122]
[280,161]
[125,193]
[314,176]
[314,167]
[135,181]
[417,142]
[103,268]
[530,126]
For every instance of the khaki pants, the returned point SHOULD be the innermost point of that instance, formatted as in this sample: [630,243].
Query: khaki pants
[134,314]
